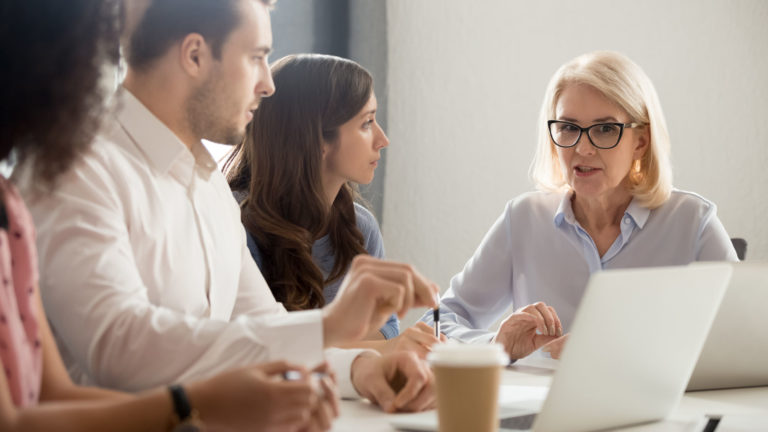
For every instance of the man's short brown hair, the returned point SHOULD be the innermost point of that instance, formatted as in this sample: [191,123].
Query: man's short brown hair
[166,22]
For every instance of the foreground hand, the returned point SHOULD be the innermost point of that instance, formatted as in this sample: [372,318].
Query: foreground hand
[396,382]
[257,398]
[372,290]
[518,333]
[327,407]
[555,348]
[417,339]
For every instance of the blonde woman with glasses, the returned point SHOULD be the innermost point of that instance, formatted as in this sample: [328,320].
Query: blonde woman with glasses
[605,201]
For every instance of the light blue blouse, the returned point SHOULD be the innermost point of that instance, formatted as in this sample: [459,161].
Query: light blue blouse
[537,251]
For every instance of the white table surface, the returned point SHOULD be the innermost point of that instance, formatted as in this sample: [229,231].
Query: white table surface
[743,409]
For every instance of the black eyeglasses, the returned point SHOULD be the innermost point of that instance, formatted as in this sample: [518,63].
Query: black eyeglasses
[601,135]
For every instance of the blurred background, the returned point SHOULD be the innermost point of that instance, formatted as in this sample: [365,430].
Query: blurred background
[460,85]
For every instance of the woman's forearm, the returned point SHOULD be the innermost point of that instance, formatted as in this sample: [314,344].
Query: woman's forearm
[77,393]
[147,412]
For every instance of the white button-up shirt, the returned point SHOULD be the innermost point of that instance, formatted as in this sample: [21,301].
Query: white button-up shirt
[538,251]
[144,270]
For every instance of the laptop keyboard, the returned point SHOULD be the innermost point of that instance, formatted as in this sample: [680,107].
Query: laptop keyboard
[523,422]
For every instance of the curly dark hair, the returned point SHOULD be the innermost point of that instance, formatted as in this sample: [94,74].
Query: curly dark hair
[54,54]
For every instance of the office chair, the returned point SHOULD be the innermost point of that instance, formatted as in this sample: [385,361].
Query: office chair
[741,247]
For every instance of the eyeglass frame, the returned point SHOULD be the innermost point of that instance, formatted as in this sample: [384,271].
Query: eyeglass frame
[586,129]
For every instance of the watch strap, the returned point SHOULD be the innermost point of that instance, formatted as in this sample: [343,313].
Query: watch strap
[181,406]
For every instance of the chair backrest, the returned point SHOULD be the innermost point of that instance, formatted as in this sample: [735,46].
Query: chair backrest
[741,247]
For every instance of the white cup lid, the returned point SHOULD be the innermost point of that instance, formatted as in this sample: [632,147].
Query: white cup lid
[456,354]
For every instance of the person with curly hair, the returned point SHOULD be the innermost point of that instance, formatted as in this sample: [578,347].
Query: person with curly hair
[56,52]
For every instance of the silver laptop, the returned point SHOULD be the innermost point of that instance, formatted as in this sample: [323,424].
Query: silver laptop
[633,345]
[736,351]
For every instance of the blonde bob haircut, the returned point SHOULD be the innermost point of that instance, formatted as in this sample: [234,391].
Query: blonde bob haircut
[621,81]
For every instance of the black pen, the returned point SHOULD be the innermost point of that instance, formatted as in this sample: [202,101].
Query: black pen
[436,316]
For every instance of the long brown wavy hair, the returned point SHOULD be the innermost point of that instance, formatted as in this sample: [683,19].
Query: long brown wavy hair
[278,166]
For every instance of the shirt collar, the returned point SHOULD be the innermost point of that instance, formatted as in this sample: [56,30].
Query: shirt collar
[637,212]
[564,210]
[161,146]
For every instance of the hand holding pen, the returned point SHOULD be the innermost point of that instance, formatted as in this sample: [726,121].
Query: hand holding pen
[418,339]
[325,398]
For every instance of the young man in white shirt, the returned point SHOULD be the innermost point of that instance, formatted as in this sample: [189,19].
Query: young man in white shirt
[145,272]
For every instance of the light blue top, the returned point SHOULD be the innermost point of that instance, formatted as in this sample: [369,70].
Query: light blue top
[537,251]
[322,254]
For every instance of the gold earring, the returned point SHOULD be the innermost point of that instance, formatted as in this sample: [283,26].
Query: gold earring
[636,175]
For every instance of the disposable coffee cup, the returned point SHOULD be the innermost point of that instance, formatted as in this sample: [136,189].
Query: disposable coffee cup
[467,379]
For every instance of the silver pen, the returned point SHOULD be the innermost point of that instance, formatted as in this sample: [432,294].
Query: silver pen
[315,378]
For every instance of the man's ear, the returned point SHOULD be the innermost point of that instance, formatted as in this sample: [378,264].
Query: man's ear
[194,55]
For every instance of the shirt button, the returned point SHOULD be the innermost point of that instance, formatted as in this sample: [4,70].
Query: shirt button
[627,220]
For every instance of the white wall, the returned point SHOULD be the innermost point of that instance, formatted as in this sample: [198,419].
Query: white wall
[367,46]
[466,81]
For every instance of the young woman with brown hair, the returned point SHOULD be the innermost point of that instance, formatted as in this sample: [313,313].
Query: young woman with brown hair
[306,150]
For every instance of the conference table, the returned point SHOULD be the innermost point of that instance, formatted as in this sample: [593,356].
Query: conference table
[744,409]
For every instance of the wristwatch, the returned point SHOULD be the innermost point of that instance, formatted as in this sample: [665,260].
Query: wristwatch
[185,418]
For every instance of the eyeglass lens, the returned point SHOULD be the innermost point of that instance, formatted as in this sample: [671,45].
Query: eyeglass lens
[603,135]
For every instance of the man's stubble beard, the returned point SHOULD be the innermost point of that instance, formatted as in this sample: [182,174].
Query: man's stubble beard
[206,114]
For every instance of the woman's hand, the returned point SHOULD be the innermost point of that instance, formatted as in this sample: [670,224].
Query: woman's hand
[555,348]
[417,339]
[327,408]
[518,333]
[259,398]
[370,293]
